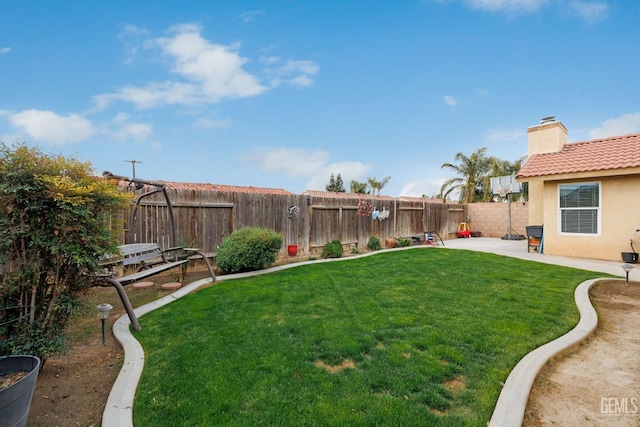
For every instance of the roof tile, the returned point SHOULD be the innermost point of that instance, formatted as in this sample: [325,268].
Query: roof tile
[172,185]
[333,194]
[619,152]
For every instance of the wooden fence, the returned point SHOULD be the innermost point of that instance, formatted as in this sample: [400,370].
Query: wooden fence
[204,218]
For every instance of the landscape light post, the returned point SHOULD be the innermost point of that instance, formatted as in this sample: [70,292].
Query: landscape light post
[103,314]
[627,269]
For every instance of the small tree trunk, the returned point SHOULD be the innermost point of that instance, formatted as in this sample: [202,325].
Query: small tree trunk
[32,315]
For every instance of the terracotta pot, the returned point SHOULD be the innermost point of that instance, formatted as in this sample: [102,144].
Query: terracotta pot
[389,242]
[292,250]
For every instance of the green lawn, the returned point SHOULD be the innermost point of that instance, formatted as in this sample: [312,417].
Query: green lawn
[414,337]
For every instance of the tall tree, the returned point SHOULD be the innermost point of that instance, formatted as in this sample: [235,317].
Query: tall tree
[335,184]
[55,218]
[358,187]
[377,186]
[471,179]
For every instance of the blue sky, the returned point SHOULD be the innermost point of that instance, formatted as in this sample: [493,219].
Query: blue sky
[283,93]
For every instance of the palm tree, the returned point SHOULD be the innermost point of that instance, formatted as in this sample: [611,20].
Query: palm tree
[358,187]
[472,173]
[377,185]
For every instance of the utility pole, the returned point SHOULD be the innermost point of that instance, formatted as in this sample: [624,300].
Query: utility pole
[133,165]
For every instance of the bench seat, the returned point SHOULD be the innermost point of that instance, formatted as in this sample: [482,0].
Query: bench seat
[150,260]
[142,274]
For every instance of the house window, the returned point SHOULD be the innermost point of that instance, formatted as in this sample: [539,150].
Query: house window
[580,208]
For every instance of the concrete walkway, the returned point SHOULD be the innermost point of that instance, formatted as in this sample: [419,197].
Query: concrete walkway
[518,249]
[513,398]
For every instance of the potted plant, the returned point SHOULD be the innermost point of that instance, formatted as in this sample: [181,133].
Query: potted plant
[630,257]
[18,375]
[292,250]
[293,213]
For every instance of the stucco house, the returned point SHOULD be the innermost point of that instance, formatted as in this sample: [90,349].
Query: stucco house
[586,194]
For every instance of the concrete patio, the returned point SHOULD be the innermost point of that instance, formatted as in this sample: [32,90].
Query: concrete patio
[518,249]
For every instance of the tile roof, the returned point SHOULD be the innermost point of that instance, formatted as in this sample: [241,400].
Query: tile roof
[333,194]
[172,185]
[618,152]
[422,199]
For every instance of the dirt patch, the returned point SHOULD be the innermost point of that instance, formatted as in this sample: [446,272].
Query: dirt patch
[72,390]
[456,385]
[598,382]
[334,369]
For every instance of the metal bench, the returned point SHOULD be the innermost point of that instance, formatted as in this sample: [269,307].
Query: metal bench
[150,260]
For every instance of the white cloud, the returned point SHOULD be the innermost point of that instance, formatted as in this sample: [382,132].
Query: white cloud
[133,38]
[123,129]
[203,72]
[47,126]
[4,50]
[135,30]
[213,123]
[293,72]
[348,171]
[625,124]
[139,131]
[250,15]
[590,12]
[428,187]
[217,68]
[270,59]
[210,73]
[151,95]
[450,100]
[299,162]
[503,135]
[510,6]
[304,67]
[290,161]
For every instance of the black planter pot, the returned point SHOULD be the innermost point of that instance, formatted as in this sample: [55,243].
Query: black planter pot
[15,400]
[630,257]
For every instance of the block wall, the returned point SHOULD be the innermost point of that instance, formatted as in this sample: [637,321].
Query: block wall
[492,219]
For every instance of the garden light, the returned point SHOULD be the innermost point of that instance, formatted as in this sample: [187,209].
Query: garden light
[103,314]
[627,268]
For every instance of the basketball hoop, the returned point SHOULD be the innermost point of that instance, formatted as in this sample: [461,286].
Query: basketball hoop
[504,192]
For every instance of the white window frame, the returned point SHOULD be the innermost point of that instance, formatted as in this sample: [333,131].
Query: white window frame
[597,208]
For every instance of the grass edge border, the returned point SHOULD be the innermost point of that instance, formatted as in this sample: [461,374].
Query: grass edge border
[514,396]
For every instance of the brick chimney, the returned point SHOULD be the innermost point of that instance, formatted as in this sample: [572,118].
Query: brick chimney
[547,137]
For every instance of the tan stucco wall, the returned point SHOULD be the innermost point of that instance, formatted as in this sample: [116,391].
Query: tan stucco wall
[536,203]
[620,217]
[546,138]
[492,219]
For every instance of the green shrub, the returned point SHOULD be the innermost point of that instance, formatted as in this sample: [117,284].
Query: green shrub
[402,243]
[54,223]
[374,244]
[333,249]
[248,249]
